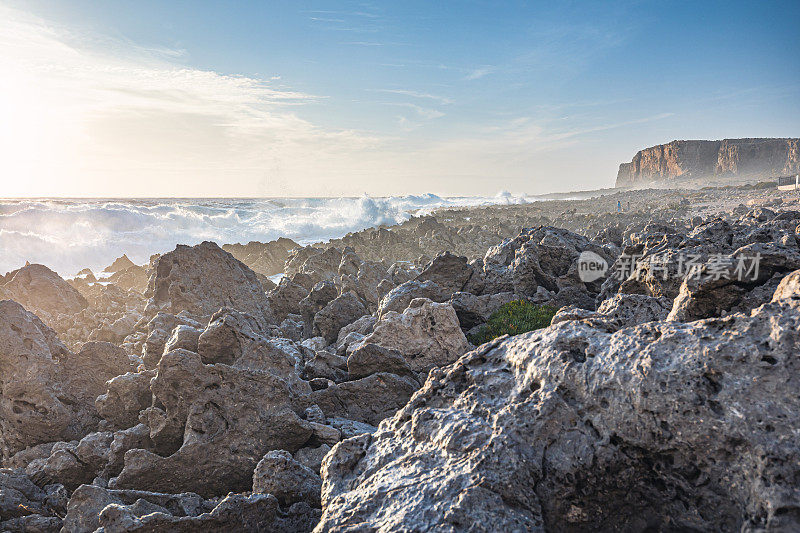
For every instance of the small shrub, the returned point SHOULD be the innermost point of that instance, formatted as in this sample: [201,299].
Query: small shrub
[514,318]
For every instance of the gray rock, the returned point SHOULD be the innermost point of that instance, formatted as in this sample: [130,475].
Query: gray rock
[292,328]
[229,335]
[707,296]
[369,399]
[203,278]
[290,482]
[325,434]
[621,311]
[450,272]
[326,365]
[286,298]
[340,312]
[235,512]
[88,501]
[134,438]
[660,426]
[320,295]
[427,334]
[370,359]
[312,457]
[398,298]
[43,292]
[229,418]
[789,288]
[183,336]
[20,497]
[47,392]
[351,428]
[159,330]
[73,464]
[363,326]
[541,257]
[125,397]
[34,523]
[315,414]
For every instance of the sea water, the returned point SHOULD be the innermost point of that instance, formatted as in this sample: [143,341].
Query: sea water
[68,235]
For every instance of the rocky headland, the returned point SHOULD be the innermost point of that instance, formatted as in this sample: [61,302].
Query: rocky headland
[195,394]
[711,162]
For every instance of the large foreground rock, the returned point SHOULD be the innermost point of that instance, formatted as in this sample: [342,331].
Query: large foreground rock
[661,426]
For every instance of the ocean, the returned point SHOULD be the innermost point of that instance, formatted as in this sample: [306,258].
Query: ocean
[69,235]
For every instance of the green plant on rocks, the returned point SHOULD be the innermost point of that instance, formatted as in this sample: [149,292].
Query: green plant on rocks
[514,318]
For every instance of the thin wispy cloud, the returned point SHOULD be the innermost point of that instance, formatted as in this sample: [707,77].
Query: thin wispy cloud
[346,21]
[422,112]
[323,19]
[416,94]
[480,72]
[363,43]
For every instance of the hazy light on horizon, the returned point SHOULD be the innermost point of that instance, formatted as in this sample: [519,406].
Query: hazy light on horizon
[83,113]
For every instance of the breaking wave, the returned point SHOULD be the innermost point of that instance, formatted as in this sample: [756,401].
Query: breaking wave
[69,235]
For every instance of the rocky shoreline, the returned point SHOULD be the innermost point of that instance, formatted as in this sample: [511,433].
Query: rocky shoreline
[193,393]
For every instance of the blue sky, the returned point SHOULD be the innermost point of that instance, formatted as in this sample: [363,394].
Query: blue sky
[408,97]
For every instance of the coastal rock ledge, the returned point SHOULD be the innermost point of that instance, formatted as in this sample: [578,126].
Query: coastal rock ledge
[728,158]
[663,426]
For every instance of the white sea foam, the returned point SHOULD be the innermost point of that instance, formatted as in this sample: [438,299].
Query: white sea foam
[69,235]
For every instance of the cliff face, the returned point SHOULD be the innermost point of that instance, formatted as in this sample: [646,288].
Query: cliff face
[745,158]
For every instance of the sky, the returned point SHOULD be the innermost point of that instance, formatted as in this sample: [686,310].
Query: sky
[289,98]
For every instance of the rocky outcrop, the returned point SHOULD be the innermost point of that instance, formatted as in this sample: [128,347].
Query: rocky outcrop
[541,264]
[750,158]
[661,426]
[621,311]
[399,297]
[201,279]
[427,334]
[370,399]
[263,257]
[279,474]
[223,419]
[340,312]
[43,292]
[47,392]
[24,506]
[119,264]
[126,396]
[448,271]
[670,407]
[116,511]
[721,265]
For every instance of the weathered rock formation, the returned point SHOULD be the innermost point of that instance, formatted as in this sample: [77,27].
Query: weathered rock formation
[47,392]
[264,258]
[747,158]
[201,279]
[661,426]
[42,292]
[672,406]
[116,511]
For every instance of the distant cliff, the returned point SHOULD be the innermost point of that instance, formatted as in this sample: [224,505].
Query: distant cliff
[741,158]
